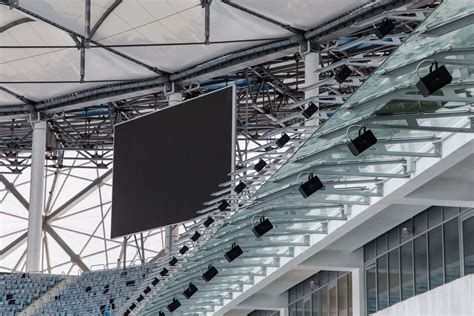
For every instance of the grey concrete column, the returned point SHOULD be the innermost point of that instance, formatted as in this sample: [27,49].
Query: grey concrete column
[35,219]
[311,76]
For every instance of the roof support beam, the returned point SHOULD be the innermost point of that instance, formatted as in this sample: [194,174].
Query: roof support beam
[104,17]
[11,188]
[15,23]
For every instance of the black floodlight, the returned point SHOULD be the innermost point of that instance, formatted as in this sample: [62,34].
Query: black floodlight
[196,236]
[147,290]
[312,185]
[208,222]
[127,312]
[210,273]
[132,307]
[155,281]
[233,253]
[223,206]
[140,298]
[161,313]
[240,187]
[361,143]
[282,140]
[183,249]
[173,261]
[164,272]
[435,80]
[385,27]
[310,110]
[263,227]
[260,165]
[174,305]
[342,74]
[190,290]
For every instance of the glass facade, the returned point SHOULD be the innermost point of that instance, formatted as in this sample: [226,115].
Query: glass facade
[426,251]
[326,293]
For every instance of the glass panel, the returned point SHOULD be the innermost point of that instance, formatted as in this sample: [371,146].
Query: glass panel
[324,301]
[382,244]
[316,299]
[306,287]
[292,294]
[394,276]
[436,257]
[382,282]
[293,310]
[332,275]
[451,250]
[421,269]
[299,308]
[342,296]
[307,307]
[434,216]
[468,245]
[406,230]
[371,291]
[369,251]
[299,291]
[349,293]
[419,223]
[407,270]
[333,301]
[393,238]
[450,212]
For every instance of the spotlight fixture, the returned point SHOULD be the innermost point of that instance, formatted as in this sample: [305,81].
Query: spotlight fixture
[263,227]
[147,290]
[260,165]
[385,27]
[196,236]
[223,206]
[282,140]
[140,298]
[342,74]
[183,249]
[132,307]
[155,281]
[435,80]
[208,222]
[312,185]
[233,253]
[174,305]
[210,273]
[164,272]
[361,143]
[190,290]
[161,313]
[310,110]
[127,312]
[240,187]
[173,261]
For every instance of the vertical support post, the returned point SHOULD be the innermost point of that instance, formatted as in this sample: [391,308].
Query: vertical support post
[359,305]
[311,76]
[35,217]
[125,240]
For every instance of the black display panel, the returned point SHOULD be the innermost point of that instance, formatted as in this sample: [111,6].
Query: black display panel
[167,163]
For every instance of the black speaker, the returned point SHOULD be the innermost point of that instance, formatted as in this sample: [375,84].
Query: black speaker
[208,222]
[164,272]
[282,140]
[174,305]
[310,110]
[435,80]
[263,227]
[260,165]
[190,290]
[365,140]
[342,74]
[210,273]
[155,281]
[240,187]
[173,261]
[385,27]
[233,253]
[196,236]
[223,206]
[312,185]
[183,249]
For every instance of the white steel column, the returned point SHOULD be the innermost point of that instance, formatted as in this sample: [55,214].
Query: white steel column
[172,232]
[311,76]
[358,292]
[35,220]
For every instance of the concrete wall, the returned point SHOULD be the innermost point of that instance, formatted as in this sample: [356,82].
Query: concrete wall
[452,299]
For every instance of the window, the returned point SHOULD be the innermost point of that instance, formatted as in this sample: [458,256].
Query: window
[316,300]
[419,223]
[333,301]
[406,257]
[382,282]
[468,245]
[299,308]
[406,230]
[450,212]
[381,244]
[394,276]
[435,250]
[293,309]
[342,296]
[371,291]
[451,250]
[324,301]
[421,269]
[434,216]
[369,251]
[393,238]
